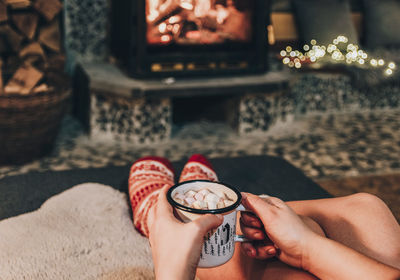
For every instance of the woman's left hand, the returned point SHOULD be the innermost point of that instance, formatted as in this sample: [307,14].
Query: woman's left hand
[176,246]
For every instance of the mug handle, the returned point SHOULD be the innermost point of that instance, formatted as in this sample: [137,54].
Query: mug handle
[240,237]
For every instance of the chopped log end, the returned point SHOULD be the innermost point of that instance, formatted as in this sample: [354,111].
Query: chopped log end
[49,35]
[41,88]
[48,8]
[24,80]
[26,22]
[32,49]
[13,38]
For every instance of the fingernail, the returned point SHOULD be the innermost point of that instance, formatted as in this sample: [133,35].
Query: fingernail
[244,195]
[219,216]
[271,251]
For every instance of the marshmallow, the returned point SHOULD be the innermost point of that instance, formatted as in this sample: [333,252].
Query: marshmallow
[211,198]
[204,192]
[212,205]
[199,196]
[203,199]
[189,200]
[190,193]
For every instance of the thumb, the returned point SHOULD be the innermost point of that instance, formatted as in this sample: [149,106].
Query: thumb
[258,206]
[208,222]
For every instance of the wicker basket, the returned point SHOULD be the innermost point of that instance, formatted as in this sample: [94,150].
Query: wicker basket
[29,124]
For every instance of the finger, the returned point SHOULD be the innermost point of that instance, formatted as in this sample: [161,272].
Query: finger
[249,219]
[207,222]
[265,251]
[163,206]
[252,233]
[259,250]
[248,249]
[266,208]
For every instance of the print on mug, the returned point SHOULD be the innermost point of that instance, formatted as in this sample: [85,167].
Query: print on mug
[219,245]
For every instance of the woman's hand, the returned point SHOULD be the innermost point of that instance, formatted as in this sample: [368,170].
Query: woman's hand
[281,230]
[176,246]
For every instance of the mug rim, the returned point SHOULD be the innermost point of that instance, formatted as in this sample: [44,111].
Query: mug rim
[204,211]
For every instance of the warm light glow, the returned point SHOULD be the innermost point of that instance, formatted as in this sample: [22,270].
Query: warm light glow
[389,72]
[165,38]
[353,54]
[174,19]
[186,5]
[162,27]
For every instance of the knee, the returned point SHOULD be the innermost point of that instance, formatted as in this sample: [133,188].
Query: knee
[364,201]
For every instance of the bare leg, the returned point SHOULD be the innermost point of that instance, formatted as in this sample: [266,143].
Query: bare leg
[361,221]
[243,267]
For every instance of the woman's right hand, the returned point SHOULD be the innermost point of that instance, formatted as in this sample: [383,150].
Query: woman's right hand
[281,226]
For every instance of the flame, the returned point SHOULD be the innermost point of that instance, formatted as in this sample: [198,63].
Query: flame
[202,8]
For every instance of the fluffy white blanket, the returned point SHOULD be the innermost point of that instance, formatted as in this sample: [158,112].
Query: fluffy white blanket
[83,233]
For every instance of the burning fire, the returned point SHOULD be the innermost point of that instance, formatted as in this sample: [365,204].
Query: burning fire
[198,21]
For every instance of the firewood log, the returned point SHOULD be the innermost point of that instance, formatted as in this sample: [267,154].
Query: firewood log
[23,80]
[49,35]
[48,8]
[32,49]
[3,11]
[13,38]
[18,4]
[26,23]
[40,88]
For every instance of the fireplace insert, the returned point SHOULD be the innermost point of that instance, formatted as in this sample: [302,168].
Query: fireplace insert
[160,38]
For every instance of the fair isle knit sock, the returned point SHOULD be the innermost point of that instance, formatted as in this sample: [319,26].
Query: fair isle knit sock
[198,168]
[147,176]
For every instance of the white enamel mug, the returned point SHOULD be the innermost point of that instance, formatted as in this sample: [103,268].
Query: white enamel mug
[219,245]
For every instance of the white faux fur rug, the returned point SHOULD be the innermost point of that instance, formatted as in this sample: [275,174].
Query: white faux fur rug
[83,233]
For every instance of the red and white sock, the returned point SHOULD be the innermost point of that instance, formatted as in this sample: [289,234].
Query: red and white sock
[147,176]
[198,168]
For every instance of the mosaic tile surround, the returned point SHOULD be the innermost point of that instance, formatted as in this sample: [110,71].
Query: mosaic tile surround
[136,120]
[142,120]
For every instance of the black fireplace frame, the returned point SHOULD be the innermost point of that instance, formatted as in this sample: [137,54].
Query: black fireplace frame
[128,44]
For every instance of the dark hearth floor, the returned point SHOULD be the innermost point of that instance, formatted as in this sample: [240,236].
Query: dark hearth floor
[323,146]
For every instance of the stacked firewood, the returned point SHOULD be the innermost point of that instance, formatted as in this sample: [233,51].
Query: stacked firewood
[30,45]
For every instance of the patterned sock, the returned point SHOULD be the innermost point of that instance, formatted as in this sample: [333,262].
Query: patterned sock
[147,176]
[198,168]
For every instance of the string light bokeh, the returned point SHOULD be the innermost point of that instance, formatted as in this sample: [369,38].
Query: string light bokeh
[339,51]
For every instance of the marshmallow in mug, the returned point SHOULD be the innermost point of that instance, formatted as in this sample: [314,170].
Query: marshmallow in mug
[204,199]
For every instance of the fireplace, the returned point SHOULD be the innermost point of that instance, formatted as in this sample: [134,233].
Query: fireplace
[163,38]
